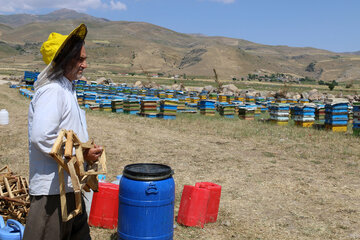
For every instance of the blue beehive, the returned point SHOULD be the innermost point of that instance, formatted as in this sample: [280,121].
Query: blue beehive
[207,107]
[304,114]
[356,118]
[89,98]
[149,107]
[336,115]
[247,111]
[105,105]
[131,105]
[117,104]
[320,113]
[30,77]
[227,110]
[80,97]
[168,108]
[259,100]
[279,113]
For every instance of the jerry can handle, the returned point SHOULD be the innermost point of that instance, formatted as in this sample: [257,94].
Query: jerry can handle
[16,226]
[2,223]
[151,189]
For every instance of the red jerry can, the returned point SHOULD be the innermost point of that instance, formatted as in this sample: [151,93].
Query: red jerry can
[104,206]
[192,211]
[214,200]
[199,204]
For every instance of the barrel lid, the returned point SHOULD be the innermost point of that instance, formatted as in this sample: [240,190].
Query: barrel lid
[147,171]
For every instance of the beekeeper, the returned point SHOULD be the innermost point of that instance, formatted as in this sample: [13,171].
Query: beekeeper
[55,107]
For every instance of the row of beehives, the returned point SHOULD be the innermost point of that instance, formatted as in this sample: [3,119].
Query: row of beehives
[107,91]
[334,115]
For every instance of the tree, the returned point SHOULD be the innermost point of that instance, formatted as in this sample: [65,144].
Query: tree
[217,81]
[332,85]
[310,67]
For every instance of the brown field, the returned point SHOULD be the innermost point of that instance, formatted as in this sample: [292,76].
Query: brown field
[277,182]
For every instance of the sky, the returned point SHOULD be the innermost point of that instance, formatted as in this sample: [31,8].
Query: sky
[325,24]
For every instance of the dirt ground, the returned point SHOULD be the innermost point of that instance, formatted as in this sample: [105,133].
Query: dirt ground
[277,182]
[6,82]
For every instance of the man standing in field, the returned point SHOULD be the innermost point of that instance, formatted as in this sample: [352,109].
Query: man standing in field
[54,107]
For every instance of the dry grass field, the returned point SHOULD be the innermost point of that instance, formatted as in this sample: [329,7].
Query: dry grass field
[277,182]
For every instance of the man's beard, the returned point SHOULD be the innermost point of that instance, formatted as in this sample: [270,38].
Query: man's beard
[77,73]
[79,76]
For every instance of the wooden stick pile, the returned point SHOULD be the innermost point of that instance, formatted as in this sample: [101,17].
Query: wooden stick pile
[81,178]
[14,196]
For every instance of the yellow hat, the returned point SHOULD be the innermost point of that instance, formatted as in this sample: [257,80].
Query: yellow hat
[56,42]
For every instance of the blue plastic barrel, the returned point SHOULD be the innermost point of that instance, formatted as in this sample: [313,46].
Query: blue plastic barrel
[146,202]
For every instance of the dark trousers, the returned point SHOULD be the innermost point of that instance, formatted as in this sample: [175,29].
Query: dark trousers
[44,220]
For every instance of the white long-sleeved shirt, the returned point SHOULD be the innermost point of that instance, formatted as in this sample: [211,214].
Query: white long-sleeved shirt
[53,107]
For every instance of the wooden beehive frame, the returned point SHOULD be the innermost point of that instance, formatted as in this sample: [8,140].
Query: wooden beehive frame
[81,178]
[14,195]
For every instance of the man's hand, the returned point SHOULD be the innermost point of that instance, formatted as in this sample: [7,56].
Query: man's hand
[92,154]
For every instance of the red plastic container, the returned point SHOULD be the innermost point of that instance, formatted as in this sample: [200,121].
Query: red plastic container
[193,206]
[214,200]
[104,206]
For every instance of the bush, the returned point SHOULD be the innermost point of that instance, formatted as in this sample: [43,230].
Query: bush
[349,85]
[321,82]
[307,79]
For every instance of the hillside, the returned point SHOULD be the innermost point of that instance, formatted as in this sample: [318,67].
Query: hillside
[120,46]
[17,20]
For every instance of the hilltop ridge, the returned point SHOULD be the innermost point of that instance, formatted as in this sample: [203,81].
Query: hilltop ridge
[17,20]
[123,46]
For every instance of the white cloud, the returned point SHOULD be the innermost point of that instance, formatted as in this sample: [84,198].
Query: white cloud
[222,1]
[117,5]
[225,1]
[16,6]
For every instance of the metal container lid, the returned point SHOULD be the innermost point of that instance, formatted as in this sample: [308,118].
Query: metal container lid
[147,171]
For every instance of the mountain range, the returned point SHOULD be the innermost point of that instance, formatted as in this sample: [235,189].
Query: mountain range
[122,46]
